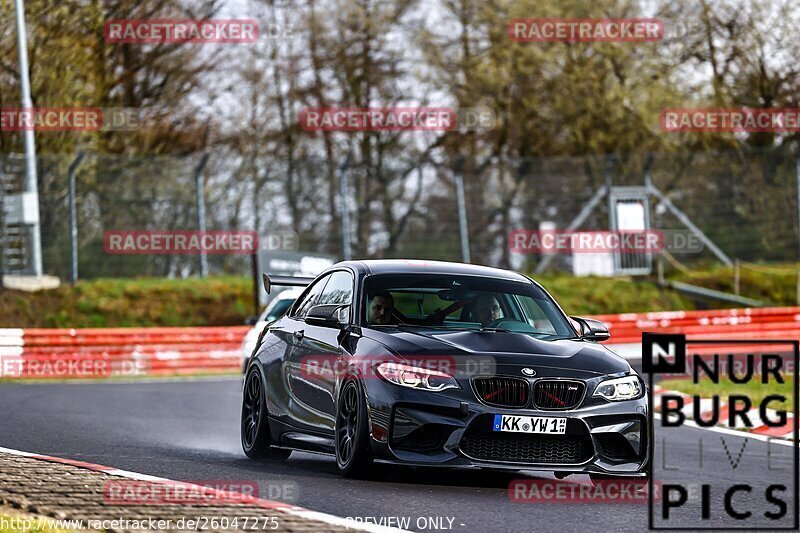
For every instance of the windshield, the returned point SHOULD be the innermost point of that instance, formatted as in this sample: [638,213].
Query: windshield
[462,303]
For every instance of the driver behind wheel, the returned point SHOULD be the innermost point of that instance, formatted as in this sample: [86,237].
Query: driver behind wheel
[380,307]
[487,309]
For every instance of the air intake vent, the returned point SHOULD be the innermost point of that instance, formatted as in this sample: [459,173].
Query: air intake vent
[502,391]
[541,449]
[558,394]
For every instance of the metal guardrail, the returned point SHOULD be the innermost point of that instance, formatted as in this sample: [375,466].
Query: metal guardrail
[711,294]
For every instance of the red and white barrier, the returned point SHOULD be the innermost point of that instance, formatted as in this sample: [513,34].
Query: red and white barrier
[115,352]
[746,324]
[105,352]
[726,323]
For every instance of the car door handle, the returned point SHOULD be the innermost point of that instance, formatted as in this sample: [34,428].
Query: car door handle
[298,334]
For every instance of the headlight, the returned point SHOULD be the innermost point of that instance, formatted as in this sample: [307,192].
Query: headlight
[618,389]
[417,378]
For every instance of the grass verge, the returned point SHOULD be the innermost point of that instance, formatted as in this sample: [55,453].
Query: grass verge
[139,302]
[227,301]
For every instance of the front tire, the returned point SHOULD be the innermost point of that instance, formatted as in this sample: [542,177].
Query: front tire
[256,439]
[353,453]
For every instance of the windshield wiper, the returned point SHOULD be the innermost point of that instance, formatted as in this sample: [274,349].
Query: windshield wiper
[450,328]
[401,324]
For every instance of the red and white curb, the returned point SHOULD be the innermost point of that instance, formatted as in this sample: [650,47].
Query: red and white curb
[11,342]
[293,510]
[785,431]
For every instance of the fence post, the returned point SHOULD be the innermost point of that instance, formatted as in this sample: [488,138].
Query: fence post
[797,179]
[345,209]
[73,217]
[798,288]
[462,217]
[29,141]
[736,277]
[201,210]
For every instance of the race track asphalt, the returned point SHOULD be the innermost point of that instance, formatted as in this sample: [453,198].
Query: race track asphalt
[189,430]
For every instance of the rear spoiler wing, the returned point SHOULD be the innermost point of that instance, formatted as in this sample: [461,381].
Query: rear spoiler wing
[284,281]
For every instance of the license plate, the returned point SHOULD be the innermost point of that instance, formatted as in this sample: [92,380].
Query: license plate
[530,424]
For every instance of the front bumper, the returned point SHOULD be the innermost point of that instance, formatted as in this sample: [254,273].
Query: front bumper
[454,429]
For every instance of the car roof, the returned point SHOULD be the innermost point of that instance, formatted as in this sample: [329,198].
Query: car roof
[420,266]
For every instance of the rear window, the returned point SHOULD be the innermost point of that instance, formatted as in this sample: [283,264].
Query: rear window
[279,309]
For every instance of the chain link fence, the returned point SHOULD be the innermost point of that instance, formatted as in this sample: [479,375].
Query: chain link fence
[746,203]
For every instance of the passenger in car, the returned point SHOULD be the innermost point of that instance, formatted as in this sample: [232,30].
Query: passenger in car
[380,307]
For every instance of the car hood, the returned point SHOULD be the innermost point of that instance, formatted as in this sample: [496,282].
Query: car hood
[508,351]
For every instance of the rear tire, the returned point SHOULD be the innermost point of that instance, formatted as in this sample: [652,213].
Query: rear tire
[256,439]
[353,452]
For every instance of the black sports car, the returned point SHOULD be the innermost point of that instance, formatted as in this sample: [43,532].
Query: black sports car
[441,364]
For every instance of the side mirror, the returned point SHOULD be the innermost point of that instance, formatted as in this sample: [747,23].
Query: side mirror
[328,315]
[251,321]
[592,330]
